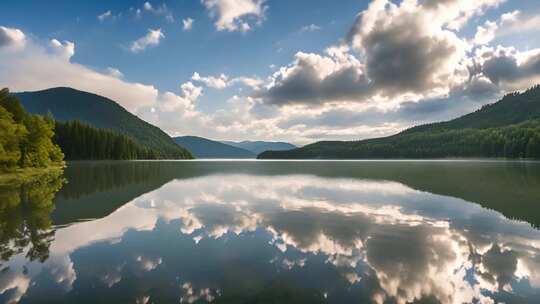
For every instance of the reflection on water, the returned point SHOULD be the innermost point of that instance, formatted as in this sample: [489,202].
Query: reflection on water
[25,211]
[260,232]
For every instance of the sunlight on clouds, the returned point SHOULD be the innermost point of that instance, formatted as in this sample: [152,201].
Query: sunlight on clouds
[11,38]
[187,24]
[152,38]
[65,49]
[235,15]
[349,91]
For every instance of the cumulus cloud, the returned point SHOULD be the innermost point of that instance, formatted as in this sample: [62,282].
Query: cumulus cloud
[187,24]
[11,38]
[313,78]
[152,38]
[222,81]
[402,63]
[106,15]
[65,50]
[486,33]
[161,10]
[235,15]
[406,47]
[509,68]
[514,22]
[400,53]
[219,82]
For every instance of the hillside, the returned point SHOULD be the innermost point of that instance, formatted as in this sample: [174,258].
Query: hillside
[80,141]
[509,128]
[258,147]
[69,104]
[206,148]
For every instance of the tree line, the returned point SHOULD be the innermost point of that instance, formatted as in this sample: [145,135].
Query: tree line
[520,140]
[80,141]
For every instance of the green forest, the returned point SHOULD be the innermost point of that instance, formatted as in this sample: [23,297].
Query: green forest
[80,141]
[26,140]
[509,128]
[514,141]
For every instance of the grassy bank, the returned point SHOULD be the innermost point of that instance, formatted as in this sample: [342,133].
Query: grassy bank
[19,176]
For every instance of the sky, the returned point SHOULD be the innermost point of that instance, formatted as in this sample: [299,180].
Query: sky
[298,71]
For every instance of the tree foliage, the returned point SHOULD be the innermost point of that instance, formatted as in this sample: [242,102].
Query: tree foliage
[80,141]
[26,140]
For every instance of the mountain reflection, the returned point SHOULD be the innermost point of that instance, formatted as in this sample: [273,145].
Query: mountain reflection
[233,236]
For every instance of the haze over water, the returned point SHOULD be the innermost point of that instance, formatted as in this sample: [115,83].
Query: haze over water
[245,232]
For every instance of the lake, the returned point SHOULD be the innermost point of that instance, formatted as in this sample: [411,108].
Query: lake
[274,232]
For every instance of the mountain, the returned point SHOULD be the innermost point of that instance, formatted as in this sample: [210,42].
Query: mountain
[206,148]
[509,128]
[258,147]
[69,104]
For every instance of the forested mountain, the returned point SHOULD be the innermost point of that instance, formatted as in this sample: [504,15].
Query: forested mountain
[80,141]
[69,104]
[508,128]
[258,147]
[206,148]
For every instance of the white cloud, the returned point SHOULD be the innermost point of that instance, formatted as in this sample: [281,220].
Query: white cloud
[114,72]
[161,10]
[517,22]
[310,28]
[105,16]
[65,50]
[486,33]
[219,82]
[222,81]
[187,24]
[11,38]
[39,67]
[235,15]
[147,6]
[251,82]
[428,58]
[152,38]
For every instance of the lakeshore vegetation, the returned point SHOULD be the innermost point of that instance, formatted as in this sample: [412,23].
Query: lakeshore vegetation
[30,142]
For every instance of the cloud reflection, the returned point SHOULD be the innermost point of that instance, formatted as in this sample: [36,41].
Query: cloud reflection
[393,242]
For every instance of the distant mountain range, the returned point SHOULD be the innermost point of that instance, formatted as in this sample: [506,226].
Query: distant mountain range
[69,104]
[257,147]
[509,128]
[205,148]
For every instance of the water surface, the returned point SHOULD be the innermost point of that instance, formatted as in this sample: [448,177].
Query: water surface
[274,232]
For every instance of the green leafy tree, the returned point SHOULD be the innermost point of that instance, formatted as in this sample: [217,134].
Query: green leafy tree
[26,140]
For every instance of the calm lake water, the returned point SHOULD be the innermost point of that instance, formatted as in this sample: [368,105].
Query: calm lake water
[274,232]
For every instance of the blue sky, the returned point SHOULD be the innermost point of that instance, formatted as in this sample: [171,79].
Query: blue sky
[337,80]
